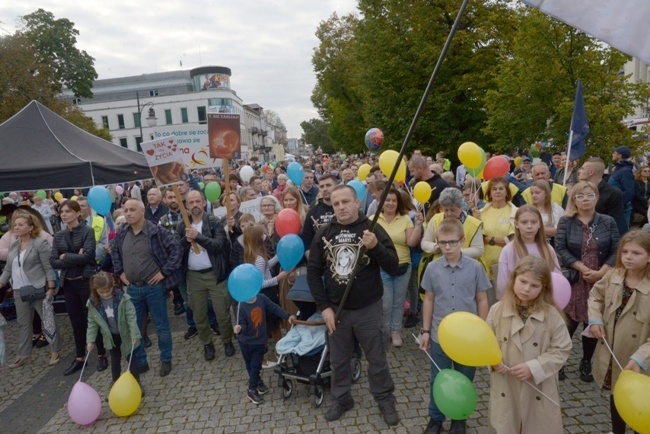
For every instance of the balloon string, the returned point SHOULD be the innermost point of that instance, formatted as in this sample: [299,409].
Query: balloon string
[417,341]
[84,366]
[533,386]
[612,353]
[128,368]
[238,304]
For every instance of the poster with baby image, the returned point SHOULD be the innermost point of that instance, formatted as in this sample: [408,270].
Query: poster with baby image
[165,161]
[224,135]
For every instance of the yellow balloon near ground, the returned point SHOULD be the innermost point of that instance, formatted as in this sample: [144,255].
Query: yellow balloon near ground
[470,155]
[125,395]
[517,161]
[468,340]
[387,161]
[73,198]
[422,192]
[363,171]
[632,400]
[58,196]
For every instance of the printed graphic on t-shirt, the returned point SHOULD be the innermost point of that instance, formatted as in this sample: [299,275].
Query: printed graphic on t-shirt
[322,220]
[342,254]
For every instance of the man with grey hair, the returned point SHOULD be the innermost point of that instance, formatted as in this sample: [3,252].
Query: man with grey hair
[541,172]
[147,257]
[437,168]
[155,208]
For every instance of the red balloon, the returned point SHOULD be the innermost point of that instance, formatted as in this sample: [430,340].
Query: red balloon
[539,145]
[287,222]
[495,167]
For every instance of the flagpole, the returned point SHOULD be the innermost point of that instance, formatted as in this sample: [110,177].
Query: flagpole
[568,153]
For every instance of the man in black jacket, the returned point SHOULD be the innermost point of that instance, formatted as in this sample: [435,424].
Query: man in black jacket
[333,255]
[611,200]
[155,208]
[207,272]
[421,172]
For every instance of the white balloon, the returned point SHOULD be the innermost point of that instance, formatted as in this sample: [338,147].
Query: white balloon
[246,173]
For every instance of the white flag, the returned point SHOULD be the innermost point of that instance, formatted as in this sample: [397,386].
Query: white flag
[623,24]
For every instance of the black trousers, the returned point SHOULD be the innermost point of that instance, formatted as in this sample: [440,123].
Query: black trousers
[77,293]
[618,424]
[116,360]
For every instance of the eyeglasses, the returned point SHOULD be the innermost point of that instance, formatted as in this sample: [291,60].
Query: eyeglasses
[264,205]
[450,243]
[585,196]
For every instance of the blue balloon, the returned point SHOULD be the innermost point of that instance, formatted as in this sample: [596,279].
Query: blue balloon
[290,250]
[359,188]
[295,173]
[99,199]
[244,282]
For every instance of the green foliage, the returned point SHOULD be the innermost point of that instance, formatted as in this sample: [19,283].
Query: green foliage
[54,41]
[315,132]
[508,79]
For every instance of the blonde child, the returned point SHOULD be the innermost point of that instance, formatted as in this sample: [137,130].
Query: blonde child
[535,344]
[111,313]
[619,311]
[529,239]
[252,335]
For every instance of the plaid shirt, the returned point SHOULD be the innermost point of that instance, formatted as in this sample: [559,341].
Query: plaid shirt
[170,221]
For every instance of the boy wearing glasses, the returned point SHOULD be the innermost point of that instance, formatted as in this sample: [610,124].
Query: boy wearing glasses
[452,283]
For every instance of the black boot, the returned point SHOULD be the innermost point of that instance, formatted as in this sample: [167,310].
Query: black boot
[585,371]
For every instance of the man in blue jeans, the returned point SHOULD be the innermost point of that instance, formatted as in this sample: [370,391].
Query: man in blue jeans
[147,259]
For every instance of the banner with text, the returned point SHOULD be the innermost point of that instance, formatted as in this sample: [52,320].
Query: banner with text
[192,141]
[247,207]
[224,135]
[165,161]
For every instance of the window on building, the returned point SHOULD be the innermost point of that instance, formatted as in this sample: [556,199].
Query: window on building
[124,143]
[136,120]
[76,101]
[184,117]
[105,122]
[168,117]
[120,121]
[138,141]
[203,119]
[153,93]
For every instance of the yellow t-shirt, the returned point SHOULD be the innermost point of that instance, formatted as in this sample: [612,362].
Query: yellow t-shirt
[496,223]
[396,230]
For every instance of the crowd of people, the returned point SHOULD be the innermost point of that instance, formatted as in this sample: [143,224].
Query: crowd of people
[488,247]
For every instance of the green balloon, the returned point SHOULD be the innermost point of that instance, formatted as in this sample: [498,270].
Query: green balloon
[41,194]
[201,185]
[212,191]
[475,172]
[454,394]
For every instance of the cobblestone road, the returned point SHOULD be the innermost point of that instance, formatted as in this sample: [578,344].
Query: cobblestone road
[209,397]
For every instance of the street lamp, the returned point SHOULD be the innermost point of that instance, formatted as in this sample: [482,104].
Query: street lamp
[152,120]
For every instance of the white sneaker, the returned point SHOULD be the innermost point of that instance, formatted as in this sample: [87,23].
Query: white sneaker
[396,339]
[267,364]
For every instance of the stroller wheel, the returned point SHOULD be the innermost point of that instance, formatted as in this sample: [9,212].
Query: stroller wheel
[319,396]
[356,369]
[287,389]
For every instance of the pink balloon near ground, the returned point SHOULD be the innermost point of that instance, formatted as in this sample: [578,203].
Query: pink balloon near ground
[561,290]
[84,404]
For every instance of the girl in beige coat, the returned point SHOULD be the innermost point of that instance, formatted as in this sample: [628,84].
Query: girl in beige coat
[535,344]
[619,311]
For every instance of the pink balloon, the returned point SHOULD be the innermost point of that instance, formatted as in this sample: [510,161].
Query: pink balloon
[119,189]
[561,290]
[84,404]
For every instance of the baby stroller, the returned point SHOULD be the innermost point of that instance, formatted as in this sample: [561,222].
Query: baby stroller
[304,351]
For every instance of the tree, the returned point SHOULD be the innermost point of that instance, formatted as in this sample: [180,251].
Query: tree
[55,40]
[35,64]
[273,120]
[315,132]
[535,89]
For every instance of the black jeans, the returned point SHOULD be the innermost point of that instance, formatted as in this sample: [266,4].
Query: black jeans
[116,360]
[76,294]
[253,356]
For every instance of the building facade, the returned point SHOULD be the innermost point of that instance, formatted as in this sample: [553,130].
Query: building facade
[132,108]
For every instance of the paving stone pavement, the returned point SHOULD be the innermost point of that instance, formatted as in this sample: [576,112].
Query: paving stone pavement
[209,397]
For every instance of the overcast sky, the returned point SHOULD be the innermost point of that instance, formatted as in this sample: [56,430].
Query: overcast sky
[267,44]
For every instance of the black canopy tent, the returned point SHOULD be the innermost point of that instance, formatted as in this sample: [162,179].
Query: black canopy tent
[41,150]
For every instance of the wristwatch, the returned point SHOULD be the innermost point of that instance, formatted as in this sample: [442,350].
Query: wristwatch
[423,331]
[491,242]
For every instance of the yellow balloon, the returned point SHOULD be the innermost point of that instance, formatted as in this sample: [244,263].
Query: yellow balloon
[422,192]
[632,400]
[73,198]
[517,161]
[468,340]
[470,155]
[363,171]
[387,161]
[125,395]
[58,196]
